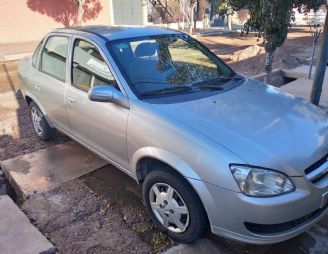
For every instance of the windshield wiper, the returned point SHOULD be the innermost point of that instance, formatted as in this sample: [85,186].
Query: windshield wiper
[208,86]
[215,82]
[167,90]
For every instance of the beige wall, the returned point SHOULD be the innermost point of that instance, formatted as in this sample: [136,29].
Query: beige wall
[30,20]
[129,12]
[240,17]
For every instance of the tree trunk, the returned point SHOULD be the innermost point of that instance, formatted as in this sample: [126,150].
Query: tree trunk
[80,12]
[229,18]
[321,66]
[191,17]
[312,57]
[268,66]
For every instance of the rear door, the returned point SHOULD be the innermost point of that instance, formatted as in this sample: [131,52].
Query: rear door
[50,81]
[99,125]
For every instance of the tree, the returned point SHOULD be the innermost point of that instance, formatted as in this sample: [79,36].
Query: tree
[271,20]
[193,4]
[224,8]
[187,9]
[163,9]
[80,12]
[67,12]
[184,9]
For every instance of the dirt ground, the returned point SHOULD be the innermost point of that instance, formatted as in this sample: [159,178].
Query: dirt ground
[298,45]
[98,213]
[102,212]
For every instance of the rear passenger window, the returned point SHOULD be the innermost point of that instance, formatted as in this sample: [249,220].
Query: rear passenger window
[53,58]
[89,68]
[36,54]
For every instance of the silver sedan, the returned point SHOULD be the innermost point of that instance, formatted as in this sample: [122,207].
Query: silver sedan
[210,147]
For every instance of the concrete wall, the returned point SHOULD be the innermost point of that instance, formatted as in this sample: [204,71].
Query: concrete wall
[311,17]
[30,20]
[129,12]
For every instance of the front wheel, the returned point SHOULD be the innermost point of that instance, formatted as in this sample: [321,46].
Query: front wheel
[40,124]
[174,206]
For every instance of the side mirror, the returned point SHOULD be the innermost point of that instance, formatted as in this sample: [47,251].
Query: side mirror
[108,94]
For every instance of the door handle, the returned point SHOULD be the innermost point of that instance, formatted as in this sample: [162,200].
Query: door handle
[71,101]
[37,87]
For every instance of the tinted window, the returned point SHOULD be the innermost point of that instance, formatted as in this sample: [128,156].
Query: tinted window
[36,54]
[54,55]
[89,67]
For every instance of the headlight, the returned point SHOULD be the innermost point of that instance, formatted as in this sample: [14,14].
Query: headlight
[258,182]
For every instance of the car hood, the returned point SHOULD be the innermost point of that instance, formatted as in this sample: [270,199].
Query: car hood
[261,124]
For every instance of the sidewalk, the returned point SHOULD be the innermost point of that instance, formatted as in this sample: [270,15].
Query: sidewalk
[17,234]
[48,168]
[302,87]
[16,51]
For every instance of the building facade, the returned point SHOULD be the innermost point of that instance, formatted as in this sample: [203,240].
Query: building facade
[29,20]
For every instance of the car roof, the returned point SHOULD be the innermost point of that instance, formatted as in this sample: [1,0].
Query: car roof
[117,32]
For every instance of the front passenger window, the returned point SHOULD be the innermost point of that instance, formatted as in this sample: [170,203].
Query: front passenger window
[89,68]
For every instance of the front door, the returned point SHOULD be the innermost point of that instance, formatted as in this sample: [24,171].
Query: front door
[99,125]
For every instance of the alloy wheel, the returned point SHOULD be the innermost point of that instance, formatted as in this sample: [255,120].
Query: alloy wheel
[37,116]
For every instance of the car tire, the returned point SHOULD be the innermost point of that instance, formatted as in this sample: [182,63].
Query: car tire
[40,124]
[166,213]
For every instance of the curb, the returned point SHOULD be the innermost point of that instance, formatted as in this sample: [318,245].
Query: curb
[17,234]
[14,57]
[202,246]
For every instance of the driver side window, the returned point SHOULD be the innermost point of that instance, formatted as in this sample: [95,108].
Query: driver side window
[89,68]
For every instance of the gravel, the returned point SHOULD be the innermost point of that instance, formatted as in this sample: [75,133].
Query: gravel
[17,133]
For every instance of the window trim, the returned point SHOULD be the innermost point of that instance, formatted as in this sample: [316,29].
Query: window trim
[103,55]
[91,83]
[40,56]
[40,46]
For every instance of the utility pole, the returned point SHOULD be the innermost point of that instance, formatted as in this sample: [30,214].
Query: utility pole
[315,32]
[321,66]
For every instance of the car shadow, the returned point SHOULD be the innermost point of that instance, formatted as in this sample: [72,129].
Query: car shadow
[17,135]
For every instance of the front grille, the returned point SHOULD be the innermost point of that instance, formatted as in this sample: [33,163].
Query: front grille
[316,165]
[318,172]
[281,227]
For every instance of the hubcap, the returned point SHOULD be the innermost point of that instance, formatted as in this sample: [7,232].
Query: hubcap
[36,116]
[169,207]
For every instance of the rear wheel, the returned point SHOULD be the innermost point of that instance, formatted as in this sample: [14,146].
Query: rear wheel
[174,206]
[40,124]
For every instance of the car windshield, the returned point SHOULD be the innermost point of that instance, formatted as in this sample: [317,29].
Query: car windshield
[168,64]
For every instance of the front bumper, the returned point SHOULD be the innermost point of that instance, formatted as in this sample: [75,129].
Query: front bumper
[263,220]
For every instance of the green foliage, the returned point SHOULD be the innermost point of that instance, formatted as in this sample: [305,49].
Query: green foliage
[271,18]
[222,7]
